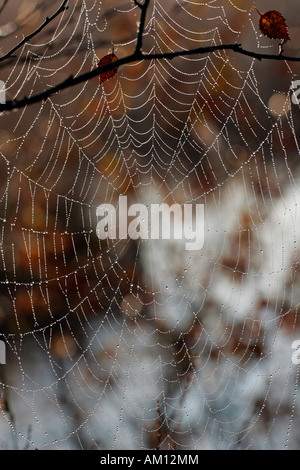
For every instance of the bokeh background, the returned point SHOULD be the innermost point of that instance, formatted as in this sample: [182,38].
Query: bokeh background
[125,344]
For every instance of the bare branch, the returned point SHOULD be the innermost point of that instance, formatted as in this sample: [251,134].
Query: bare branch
[48,20]
[72,81]
[137,55]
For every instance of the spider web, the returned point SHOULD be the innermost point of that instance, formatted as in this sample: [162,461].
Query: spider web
[140,344]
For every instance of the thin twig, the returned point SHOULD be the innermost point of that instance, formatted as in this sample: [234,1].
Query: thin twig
[3,6]
[234,47]
[139,42]
[48,20]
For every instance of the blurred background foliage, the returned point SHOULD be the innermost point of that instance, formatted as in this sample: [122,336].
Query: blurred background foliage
[108,341]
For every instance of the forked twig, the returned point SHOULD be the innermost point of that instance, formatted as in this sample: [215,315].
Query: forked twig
[48,20]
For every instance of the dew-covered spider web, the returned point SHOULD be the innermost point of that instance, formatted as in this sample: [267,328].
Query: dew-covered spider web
[142,344]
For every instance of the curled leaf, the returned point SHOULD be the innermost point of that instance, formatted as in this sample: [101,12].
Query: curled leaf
[107,59]
[273,25]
